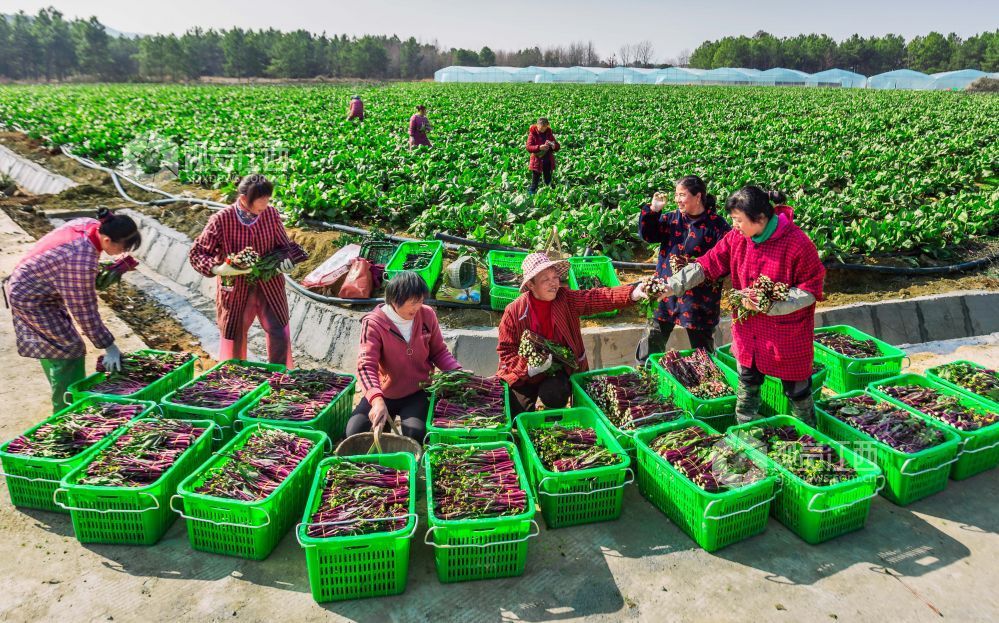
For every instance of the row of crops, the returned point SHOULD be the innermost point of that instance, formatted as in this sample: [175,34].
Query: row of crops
[869,173]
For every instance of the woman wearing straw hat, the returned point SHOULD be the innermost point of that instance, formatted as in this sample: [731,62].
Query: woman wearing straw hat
[552,311]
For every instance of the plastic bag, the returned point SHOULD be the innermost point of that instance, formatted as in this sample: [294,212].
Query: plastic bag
[333,269]
[359,283]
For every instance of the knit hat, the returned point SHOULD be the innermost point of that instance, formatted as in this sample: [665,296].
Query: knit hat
[535,263]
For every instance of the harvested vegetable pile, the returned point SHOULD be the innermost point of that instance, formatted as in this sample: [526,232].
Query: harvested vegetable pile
[299,395]
[110,272]
[981,381]
[371,497]
[464,400]
[697,372]
[895,427]
[566,449]
[138,370]
[816,463]
[764,292]
[507,277]
[142,455]
[473,484]
[590,282]
[257,469]
[848,346]
[709,461]
[74,431]
[537,349]
[417,261]
[632,400]
[947,409]
[221,387]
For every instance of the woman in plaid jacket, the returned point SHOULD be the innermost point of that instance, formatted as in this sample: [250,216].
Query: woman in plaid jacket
[777,341]
[250,222]
[56,280]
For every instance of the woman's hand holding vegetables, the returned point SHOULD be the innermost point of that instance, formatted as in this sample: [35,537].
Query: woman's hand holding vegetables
[112,359]
[532,371]
[378,414]
[639,293]
[658,202]
[228,270]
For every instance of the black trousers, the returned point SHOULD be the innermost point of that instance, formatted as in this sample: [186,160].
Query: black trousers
[546,172]
[657,335]
[554,392]
[412,409]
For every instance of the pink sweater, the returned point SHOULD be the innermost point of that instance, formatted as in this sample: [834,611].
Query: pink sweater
[387,366]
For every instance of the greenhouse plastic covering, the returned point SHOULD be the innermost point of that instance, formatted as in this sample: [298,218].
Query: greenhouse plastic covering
[778,76]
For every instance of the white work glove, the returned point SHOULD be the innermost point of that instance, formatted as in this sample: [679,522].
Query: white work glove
[286,266]
[658,202]
[228,270]
[112,359]
[540,369]
[638,293]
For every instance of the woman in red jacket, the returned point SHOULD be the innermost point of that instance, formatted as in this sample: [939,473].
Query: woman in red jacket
[249,222]
[401,344]
[777,340]
[541,144]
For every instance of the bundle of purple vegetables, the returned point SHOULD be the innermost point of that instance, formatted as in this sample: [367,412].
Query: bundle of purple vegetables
[469,483]
[361,498]
[141,456]
[222,387]
[566,449]
[816,463]
[110,272]
[631,400]
[464,400]
[75,431]
[138,371]
[299,395]
[697,372]
[710,461]
[888,424]
[257,469]
[940,406]
[848,346]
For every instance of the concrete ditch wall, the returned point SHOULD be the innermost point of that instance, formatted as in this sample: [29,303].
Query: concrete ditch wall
[31,176]
[329,334]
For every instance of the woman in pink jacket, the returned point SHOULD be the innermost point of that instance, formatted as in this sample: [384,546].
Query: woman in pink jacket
[401,344]
[419,125]
[777,340]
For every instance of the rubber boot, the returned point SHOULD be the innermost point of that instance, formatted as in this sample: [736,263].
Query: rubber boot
[804,409]
[747,402]
[62,373]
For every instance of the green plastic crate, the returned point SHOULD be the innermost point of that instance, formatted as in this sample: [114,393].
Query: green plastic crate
[480,549]
[580,398]
[581,496]
[712,520]
[980,448]
[367,565]
[331,419]
[595,266]
[772,391]
[430,272]
[154,391]
[247,529]
[719,413]
[817,514]
[436,435]
[847,373]
[130,515]
[32,481]
[501,296]
[908,477]
[224,418]
[933,376]
[378,251]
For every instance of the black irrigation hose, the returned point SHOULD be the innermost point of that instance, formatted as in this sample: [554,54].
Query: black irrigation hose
[297,287]
[908,270]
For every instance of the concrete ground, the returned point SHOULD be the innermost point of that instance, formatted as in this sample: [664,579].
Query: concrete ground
[934,559]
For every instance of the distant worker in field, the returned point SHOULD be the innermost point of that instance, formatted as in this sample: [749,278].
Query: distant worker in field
[419,125]
[773,331]
[356,109]
[687,232]
[541,144]
[57,279]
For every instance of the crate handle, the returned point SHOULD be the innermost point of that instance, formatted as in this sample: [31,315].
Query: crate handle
[848,504]
[236,429]
[976,450]
[298,527]
[927,470]
[738,512]
[654,415]
[530,534]
[221,523]
[67,397]
[4,474]
[590,492]
[106,511]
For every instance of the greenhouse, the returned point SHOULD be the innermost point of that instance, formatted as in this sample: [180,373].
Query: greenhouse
[837,78]
[905,79]
[620,75]
[574,74]
[956,80]
[678,75]
[778,76]
[457,73]
[533,74]
[726,75]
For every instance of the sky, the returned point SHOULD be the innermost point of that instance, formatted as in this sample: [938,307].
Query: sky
[510,24]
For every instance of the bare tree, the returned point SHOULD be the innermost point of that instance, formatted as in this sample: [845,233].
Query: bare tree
[683,60]
[592,59]
[627,53]
[644,51]
[611,61]
[574,53]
